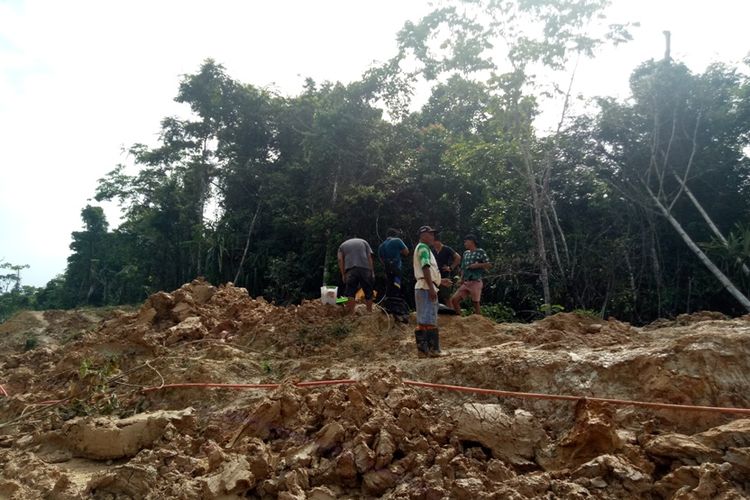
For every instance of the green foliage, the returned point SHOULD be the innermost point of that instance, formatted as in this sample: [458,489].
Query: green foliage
[586,313]
[551,308]
[93,378]
[340,329]
[13,295]
[89,369]
[499,312]
[260,189]
[31,343]
[736,250]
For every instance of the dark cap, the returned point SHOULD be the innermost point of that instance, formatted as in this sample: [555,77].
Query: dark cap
[470,237]
[426,229]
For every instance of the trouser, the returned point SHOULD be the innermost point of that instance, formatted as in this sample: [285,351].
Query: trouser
[393,280]
[444,295]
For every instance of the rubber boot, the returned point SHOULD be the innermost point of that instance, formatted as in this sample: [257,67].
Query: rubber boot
[433,339]
[423,346]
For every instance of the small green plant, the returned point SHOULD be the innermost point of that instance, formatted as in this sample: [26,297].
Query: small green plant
[85,368]
[97,373]
[499,313]
[340,329]
[551,308]
[30,344]
[109,404]
[265,366]
[94,379]
[586,313]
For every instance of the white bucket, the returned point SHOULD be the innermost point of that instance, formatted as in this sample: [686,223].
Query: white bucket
[328,294]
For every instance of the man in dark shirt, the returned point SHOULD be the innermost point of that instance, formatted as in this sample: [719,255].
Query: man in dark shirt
[390,253]
[448,261]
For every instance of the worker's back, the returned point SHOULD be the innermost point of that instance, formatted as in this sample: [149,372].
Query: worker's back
[356,253]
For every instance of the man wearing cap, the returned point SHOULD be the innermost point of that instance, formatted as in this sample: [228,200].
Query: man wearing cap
[474,265]
[427,275]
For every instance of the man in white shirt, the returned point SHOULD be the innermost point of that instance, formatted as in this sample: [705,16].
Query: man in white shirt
[427,275]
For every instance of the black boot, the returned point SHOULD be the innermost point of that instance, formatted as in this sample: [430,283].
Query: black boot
[423,346]
[433,339]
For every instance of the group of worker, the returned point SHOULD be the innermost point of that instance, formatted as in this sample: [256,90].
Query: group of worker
[434,265]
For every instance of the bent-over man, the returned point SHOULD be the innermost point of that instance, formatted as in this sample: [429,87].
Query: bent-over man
[357,270]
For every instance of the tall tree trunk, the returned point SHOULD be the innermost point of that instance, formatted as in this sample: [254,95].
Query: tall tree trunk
[555,251]
[536,209]
[709,221]
[700,254]
[327,257]
[247,240]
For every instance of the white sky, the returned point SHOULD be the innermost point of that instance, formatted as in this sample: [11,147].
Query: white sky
[80,80]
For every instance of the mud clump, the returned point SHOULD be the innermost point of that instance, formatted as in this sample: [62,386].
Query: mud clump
[107,439]
[573,329]
[77,422]
[688,319]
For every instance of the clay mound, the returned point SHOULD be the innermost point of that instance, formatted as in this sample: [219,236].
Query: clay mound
[200,312]
[688,319]
[380,438]
[77,421]
[573,329]
[28,329]
[21,326]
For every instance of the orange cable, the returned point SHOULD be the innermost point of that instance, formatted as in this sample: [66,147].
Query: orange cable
[621,402]
[455,388]
[313,383]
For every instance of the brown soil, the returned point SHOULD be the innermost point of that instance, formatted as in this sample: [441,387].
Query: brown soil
[107,438]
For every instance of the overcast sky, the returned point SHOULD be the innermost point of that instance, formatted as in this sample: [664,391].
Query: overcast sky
[80,80]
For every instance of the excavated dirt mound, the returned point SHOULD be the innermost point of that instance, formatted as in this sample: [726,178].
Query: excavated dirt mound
[77,422]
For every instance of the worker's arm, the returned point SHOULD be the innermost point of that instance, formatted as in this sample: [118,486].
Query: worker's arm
[431,286]
[424,254]
[456,261]
[372,265]
[341,266]
[480,265]
[404,249]
[485,264]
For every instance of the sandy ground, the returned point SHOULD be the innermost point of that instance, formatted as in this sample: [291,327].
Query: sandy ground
[77,423]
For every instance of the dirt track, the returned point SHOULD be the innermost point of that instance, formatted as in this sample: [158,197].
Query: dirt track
[106,438]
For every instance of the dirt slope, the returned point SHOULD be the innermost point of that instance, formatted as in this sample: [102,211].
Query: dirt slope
[99,435]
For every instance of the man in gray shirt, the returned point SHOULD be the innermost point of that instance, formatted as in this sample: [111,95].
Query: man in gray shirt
[357,270]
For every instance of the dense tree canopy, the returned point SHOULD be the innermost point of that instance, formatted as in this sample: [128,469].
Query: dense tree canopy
[604,214]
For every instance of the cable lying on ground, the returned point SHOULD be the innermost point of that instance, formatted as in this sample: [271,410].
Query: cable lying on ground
[472,390]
